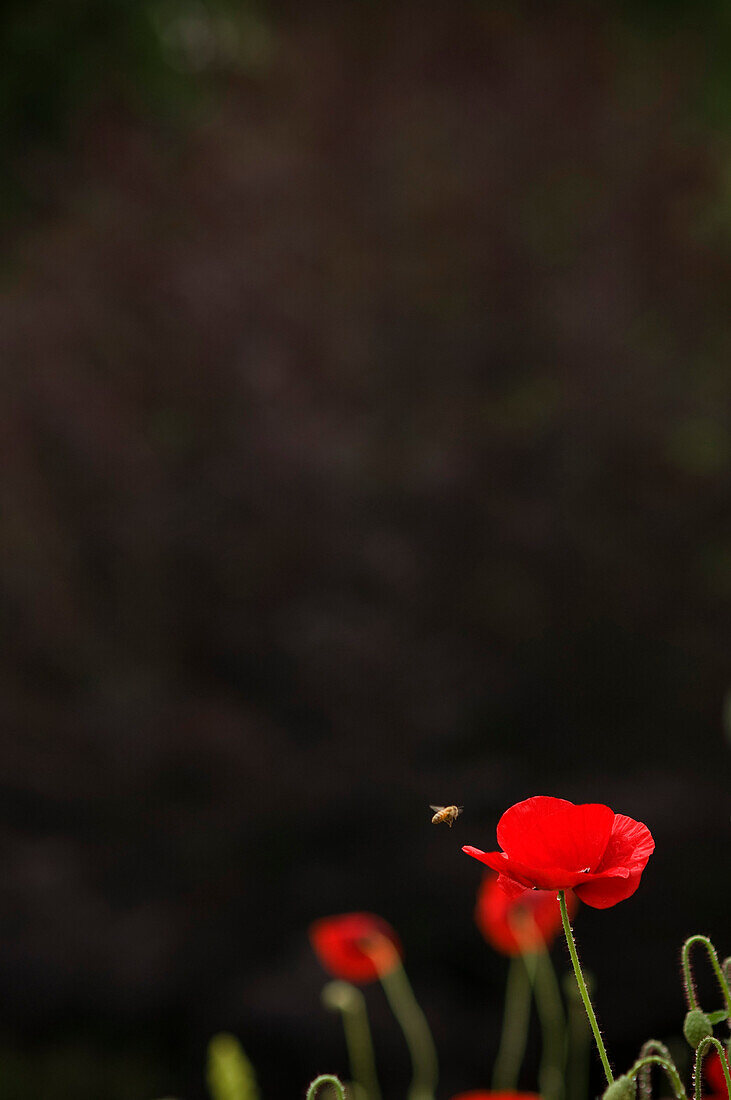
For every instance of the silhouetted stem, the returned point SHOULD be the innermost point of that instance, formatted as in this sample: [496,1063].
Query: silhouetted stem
[516,1015]
[416,1031]
[326,1079]
[688,971]
[699,1056]
[668,1065]
[582,988]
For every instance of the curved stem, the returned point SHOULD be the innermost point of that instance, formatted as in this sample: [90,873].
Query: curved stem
[652,1046]
[516,1016]
[668,1065]
[688,971]
[699,1056]
[583,990]
[416,1031]
[346,999]
[326,1079]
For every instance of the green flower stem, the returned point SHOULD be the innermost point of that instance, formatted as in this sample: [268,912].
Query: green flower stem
[553,1025]
[516,1016]
[688,971]
[406,1009]
[346,999]
[582,988]
[652,1046]
[578,1042]
[326,1079]
[668,1065]
[700,1053]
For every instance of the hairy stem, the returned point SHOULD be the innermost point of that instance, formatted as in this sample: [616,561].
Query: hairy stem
[326,1079]
[688,971]
[583,990]
[668,1065]
[700,1053]
[652,1046]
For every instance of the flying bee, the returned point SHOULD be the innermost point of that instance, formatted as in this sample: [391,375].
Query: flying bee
[448,814]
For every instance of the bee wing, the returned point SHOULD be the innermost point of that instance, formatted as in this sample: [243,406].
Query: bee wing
[437,809]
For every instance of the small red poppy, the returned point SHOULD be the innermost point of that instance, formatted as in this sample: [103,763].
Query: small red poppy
[513,925]
[483,1094]
[551,844]
[715,1079]
[357,947]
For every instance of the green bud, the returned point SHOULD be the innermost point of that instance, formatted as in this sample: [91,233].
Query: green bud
[621,1089]
[340,996]
[697,1027]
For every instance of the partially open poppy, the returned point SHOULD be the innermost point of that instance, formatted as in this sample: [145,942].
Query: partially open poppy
[551,844]
[357,947]
[513,925]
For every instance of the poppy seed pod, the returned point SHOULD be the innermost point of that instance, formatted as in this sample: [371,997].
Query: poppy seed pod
[621,1089]
[697,1027]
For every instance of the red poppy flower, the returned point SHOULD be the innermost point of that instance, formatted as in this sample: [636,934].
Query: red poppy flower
[483,1094]
[551,844]
[512,925]
[715,1079]
[357,947]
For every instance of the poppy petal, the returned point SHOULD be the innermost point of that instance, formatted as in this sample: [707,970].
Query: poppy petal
[552,833]
[630,845]
[607,890]
[530,877]
[550,844]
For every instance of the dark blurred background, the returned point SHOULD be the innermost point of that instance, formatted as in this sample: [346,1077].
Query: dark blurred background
[366,445]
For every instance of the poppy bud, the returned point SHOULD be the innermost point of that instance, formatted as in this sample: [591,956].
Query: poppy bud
[621,1089]
[340,996]
[697,1027]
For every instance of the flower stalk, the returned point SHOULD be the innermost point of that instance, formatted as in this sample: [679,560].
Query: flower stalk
[345,998]
[652,1046]
[516,1017]
[551,1014]
[578,1040]
[413,1023]
[583,990]
[688,977]
[703,1047]
[326,1079]
[668,1065]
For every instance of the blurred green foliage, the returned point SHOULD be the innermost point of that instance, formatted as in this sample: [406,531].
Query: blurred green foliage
[77,1068]
[230,1074]
[57,56]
